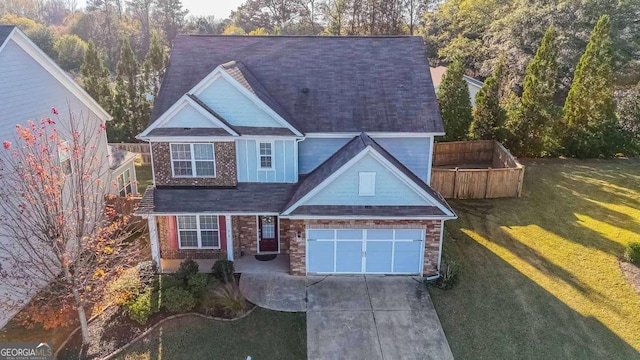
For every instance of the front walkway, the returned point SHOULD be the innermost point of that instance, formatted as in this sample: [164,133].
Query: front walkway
[275,291]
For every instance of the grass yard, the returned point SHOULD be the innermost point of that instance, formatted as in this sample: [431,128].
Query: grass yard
[264,334]
[541,277]
[144,178]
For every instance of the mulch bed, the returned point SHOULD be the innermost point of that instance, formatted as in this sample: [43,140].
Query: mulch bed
[631,273]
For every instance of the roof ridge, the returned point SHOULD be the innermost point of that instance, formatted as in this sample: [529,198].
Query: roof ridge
[304,36]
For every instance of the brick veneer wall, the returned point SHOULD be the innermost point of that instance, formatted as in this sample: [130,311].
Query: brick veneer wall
[245,235]
[167,253]
[297,251]
[225,154]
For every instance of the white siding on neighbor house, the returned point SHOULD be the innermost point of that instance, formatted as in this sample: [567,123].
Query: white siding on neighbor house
[389,189]
[284,166]
[414,153]
[234,106]
[188,117]
[314,151]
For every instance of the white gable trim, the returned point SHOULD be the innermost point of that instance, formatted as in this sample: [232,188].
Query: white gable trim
[181,104]
[373,134]
[20,39]
[220,72]
[394,170]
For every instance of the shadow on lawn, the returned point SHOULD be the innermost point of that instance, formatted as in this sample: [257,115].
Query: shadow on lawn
[496,312]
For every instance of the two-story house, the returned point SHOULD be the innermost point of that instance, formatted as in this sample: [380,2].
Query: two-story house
[31,84]
[318,148]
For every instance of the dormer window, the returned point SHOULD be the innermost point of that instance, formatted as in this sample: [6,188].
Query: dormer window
[265,155]
[193,160]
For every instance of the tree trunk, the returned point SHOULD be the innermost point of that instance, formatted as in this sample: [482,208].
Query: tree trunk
[82,316]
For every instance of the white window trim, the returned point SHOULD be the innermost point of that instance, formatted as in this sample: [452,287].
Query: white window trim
[124,184]
[199,234]
[193,161]
[362,175]
[62,158]
[273,158]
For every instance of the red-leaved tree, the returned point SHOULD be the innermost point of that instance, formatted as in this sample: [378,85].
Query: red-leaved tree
[59,240]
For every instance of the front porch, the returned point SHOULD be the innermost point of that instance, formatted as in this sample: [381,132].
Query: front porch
[246,264]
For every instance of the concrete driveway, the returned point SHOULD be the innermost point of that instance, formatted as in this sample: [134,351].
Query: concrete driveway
[372,317]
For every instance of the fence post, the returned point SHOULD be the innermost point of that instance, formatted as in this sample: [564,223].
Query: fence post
[455,183]
[486,184]
[520,182]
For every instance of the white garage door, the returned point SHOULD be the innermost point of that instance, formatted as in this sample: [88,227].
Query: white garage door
[365,251]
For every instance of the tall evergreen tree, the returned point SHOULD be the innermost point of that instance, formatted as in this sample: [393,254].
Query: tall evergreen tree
[590,122]
[154,63]
[455,102]
[489,116]
[533,129]
[171,16]
[95,77]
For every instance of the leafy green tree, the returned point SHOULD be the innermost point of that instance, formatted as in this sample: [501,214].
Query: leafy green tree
[95,77]
[155,63]
[70,51]
[171,16]
[455,102]
[591,126]
[489,116]
[533,129]
[629,113]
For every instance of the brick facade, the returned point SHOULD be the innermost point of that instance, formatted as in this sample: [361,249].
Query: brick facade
[226,175]
[245,235]
[297,245]
[167,253]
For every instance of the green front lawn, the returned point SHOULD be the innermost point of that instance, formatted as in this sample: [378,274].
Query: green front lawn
[540,277]
[264,334]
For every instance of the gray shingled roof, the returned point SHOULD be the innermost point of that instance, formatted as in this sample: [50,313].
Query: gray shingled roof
[334,210]
[189,132]
[5,30]
[320,84]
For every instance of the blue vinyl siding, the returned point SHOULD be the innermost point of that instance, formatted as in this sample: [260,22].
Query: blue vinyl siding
[284,167]
[313,152]
[234,106]
[188,117]
[389,189]
[414,153]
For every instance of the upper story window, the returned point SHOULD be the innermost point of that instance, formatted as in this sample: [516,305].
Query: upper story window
[124,183]
[193,160]
[198,232]
[64,156]
[367,183]
[265,150]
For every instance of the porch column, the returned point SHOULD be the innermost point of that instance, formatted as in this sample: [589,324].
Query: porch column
[153,239]
[227,219]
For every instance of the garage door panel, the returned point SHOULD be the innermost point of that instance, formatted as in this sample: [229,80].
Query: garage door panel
[349,256]
[380,234]
[349,234]
[379,256]
[406,257]
[408,234]
[320,256]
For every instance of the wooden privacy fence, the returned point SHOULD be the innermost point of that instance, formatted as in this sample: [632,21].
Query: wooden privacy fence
[140,148]
[480,169]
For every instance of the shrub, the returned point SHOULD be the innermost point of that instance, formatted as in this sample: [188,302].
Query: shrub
[230,299]
[197,285]
[143,306]
[449,271]
[223,270]
[168,281]
[147,272]
[124,288]
[632,253]
[178,300]
[187,269]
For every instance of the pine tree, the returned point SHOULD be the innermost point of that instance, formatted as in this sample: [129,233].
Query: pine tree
[455,102]
[154,63]
[95,77]
[590,122]
[489,117]
[130,103]
[533,129]
[172,17]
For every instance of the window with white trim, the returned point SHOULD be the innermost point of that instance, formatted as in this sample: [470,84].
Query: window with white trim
[124,183]
[193,160]
[367,184]
[198,232]
[265,152]
[64,157]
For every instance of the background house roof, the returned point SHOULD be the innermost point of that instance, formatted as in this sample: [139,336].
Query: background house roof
[323,83]
[5,30]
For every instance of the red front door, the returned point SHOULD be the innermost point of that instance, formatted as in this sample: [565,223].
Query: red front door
[268,233]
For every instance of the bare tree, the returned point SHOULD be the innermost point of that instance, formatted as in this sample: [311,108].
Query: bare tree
[56,232]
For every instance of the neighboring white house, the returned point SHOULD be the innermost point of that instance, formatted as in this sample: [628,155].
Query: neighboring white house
[31,84]
[474,85]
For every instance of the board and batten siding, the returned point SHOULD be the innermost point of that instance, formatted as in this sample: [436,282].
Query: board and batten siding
[234,106]
[284,165]
[414,153]
[389,189]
